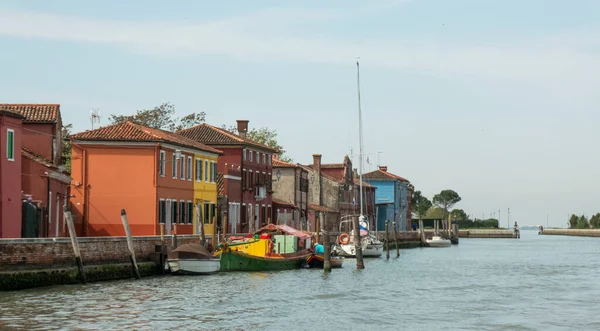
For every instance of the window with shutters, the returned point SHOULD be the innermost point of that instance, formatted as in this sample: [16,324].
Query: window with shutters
[189,168]
[182,168]
[206,171]
[182,212]
[174,166]
[213,172]
[162,211]
[174,212]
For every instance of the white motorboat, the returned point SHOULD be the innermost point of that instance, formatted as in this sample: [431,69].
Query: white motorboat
[437,241]
[193,259]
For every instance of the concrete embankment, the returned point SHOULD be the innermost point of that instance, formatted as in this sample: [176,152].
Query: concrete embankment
[33,262]
[572,232]
[499,233]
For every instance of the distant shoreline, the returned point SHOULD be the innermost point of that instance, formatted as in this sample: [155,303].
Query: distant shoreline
[572,232]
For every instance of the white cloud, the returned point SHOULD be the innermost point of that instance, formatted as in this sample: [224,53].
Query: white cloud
[262,36]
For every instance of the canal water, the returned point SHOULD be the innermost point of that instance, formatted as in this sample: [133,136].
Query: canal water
[535,283]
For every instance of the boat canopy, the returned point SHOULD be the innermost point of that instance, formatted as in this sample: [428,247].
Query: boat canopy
[190,251]
[282,228]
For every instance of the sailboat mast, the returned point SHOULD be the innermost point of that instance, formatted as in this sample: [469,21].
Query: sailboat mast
[360,139]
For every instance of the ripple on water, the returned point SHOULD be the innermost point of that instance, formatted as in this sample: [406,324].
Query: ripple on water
[538,282]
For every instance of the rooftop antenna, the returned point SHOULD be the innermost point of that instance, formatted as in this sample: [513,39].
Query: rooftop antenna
[95,116]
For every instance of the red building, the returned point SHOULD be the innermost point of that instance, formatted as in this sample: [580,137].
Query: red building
[349,197]
[229,187]
[254,162]
[43,181]
[10,173]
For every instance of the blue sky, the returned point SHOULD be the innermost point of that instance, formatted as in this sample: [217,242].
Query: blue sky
[494,99]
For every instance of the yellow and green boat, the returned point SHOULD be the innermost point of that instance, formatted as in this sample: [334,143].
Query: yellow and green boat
[258,252]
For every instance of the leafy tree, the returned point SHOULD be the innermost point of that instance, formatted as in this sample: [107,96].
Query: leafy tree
[435,212]
[446,200]
[582,223]
[264,136]
[420,204]
[595,221]
[161,117]
[66,146]
[459,214]
[573,221]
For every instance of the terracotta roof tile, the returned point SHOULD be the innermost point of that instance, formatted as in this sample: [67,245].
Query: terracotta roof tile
[11,113]
[220,184]
[283,203]
[131,132]
[211,135]
[281,164]
[26,152]
[35,113]
[380,174]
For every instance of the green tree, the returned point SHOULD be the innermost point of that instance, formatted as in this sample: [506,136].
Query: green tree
[595,221]
[582,223]
[573,221]
[420,204]
[459,214]
[264,136]
[161,117]
[446,200]
[66,146]
[435,212]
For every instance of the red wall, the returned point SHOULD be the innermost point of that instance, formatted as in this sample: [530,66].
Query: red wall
[10,183]
[39,139]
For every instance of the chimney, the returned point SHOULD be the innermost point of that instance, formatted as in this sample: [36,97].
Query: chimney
[317,162]
[383,168]
[242,127]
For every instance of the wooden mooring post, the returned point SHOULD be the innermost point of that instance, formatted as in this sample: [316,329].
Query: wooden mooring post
[318,228]
[134,267]
[422,234]
[396,239]
[200,226]
[174,236]
[387,239]
[358,245]
[326,247]
[75,244]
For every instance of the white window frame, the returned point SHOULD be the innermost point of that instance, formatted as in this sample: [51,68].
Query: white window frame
[182,167]
[163,163]
[175,167]
[198,173]
[251,155]
[8,131]
[206,174]
[182,212]
[269,158]
[190,169]
[264,158]
[244,154]
[190,216]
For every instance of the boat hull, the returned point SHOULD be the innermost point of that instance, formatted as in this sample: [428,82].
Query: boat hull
[194,266]
[239,261]
[317,261]
[439,243]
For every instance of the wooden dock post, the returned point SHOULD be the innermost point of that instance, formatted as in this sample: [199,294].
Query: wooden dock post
[162,232]
[387,239]
[358,245]
[200,225]
[326,246]
[214,238]
[396,240]
[422,232]
[317,228]
[134,267]
[75,244]
[224,229]
[174,235]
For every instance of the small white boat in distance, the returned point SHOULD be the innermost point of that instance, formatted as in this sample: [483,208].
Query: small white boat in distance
[193,259]
[438,241]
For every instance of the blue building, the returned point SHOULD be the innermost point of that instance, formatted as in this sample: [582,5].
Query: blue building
[392,198]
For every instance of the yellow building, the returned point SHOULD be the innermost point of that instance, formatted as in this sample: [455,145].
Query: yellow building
[205,191]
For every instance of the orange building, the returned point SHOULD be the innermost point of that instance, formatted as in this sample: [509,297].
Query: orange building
[148,172]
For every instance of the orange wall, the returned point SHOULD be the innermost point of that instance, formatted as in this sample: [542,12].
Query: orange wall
[117,178]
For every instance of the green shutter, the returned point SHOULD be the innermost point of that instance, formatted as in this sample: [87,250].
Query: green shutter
[10,145]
